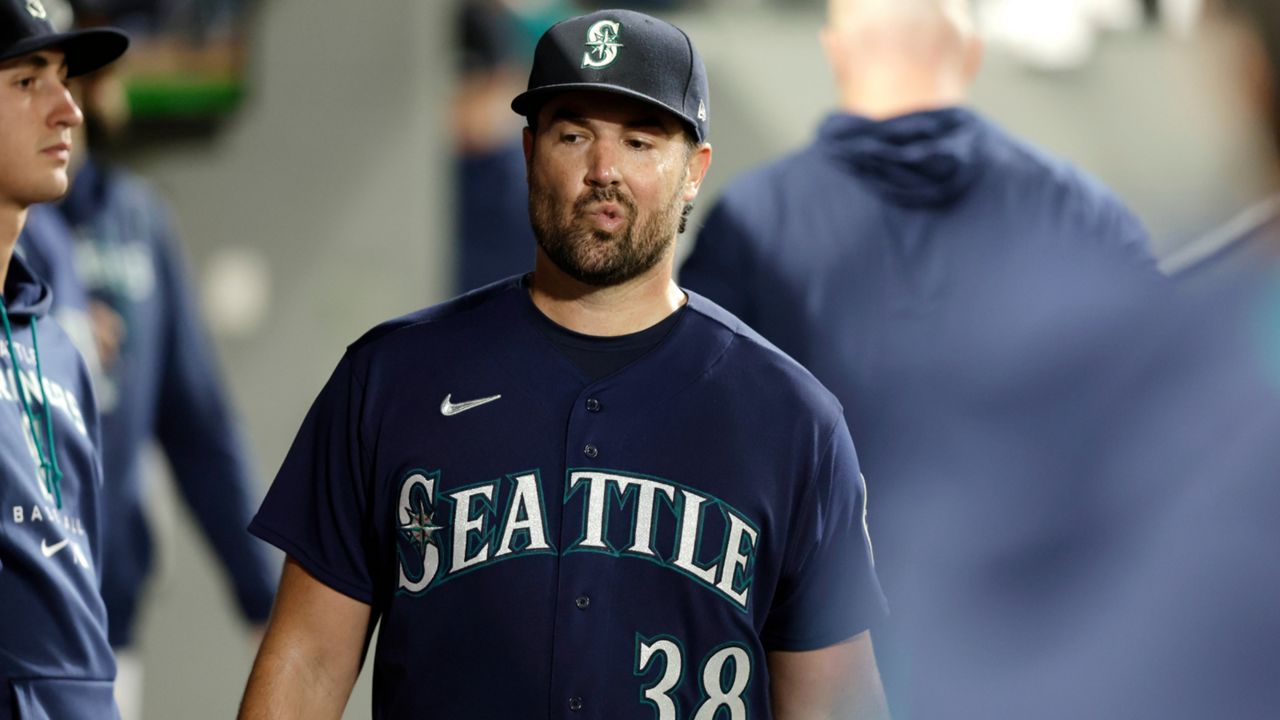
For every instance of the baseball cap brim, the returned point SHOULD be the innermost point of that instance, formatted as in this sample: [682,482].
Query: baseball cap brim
[86,50]
[528,102]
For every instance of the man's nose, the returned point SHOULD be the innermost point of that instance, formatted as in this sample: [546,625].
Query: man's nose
[65,112]
[602,170]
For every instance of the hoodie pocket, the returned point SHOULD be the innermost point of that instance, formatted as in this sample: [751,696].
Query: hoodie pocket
[63,699]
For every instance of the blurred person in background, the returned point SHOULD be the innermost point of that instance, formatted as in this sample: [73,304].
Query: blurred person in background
[1110,553]
[846,253]
[47,228]
[55,661]
[159,379]
[494,239]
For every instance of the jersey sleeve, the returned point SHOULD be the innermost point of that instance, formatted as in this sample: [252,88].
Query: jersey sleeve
[829,591]
[719,266]
[316,508]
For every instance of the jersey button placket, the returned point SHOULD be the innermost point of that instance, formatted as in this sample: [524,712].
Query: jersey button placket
[575,703]
[593,405]
[591,451]
[583,602]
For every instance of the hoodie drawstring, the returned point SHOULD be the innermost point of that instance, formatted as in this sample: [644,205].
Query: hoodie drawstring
[49,460]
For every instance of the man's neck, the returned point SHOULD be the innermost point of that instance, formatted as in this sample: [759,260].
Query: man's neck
[605,311]
[882,92]
[12,218]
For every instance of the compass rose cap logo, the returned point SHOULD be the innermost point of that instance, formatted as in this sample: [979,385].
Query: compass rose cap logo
[26,27]
[623,52]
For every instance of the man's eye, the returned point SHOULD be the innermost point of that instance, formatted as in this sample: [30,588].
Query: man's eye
[638,144]
[26,82]
[571,138]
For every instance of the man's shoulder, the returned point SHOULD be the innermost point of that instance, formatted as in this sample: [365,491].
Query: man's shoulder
[1027,165]
[772,179]
[753,207]
[476,311]
[750,359]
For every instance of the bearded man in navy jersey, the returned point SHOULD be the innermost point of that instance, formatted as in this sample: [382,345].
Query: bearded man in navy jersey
[582,492]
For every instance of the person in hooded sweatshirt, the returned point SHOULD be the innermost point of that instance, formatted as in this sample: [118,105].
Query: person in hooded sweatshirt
[158,379]
[845,253]
[55,661]
[1093,528]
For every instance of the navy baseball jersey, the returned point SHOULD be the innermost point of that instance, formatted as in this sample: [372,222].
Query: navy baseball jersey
[536,544]
[55,661]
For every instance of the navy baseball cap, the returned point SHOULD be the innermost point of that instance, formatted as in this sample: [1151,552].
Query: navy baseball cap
[623,52]
[25,28]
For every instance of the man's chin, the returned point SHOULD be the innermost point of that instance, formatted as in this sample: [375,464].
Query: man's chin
[48,189]
[586,231]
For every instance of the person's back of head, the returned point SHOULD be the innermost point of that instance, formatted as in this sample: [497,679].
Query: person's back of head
[892,57]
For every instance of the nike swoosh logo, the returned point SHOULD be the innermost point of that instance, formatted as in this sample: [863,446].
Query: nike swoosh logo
[448,408]
[50,550]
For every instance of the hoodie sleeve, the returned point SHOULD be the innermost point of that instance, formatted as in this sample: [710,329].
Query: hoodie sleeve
[201,438]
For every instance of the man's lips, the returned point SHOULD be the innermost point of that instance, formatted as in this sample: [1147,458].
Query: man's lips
[59,150]
[607,209]
[607,216]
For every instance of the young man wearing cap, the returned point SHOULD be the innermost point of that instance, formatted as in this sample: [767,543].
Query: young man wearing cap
[56,662]
[582,492]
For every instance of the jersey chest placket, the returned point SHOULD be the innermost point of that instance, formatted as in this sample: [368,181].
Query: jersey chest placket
[581,605]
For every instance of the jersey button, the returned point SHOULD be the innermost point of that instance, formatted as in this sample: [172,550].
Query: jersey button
[593,405]
[590,451]
[575,703]
[582,602]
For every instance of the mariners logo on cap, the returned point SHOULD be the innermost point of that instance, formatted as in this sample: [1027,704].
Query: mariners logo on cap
[36,9]
[602,39]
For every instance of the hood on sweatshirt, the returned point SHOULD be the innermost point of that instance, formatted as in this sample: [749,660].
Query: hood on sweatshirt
[922,159]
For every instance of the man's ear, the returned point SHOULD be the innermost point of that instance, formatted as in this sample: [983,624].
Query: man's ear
[699,163]
[526,138]
[832,47]
[974,50]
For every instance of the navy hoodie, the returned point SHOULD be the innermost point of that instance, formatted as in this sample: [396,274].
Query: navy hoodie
[164,384]
[1093,526]
[55,661]
[846,254]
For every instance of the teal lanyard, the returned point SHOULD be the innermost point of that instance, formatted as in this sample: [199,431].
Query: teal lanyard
[48,460]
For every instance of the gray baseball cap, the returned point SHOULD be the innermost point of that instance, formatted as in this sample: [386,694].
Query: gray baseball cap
[25,28]
[623,52]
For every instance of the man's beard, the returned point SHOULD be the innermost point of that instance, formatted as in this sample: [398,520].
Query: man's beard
[597,257]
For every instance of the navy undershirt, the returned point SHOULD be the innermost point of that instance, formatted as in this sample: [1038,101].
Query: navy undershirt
[600,356]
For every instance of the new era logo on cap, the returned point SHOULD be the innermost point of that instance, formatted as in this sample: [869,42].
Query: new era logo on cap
[623,52]
[36,8]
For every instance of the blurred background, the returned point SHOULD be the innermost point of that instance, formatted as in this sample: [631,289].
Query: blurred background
[327,159]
